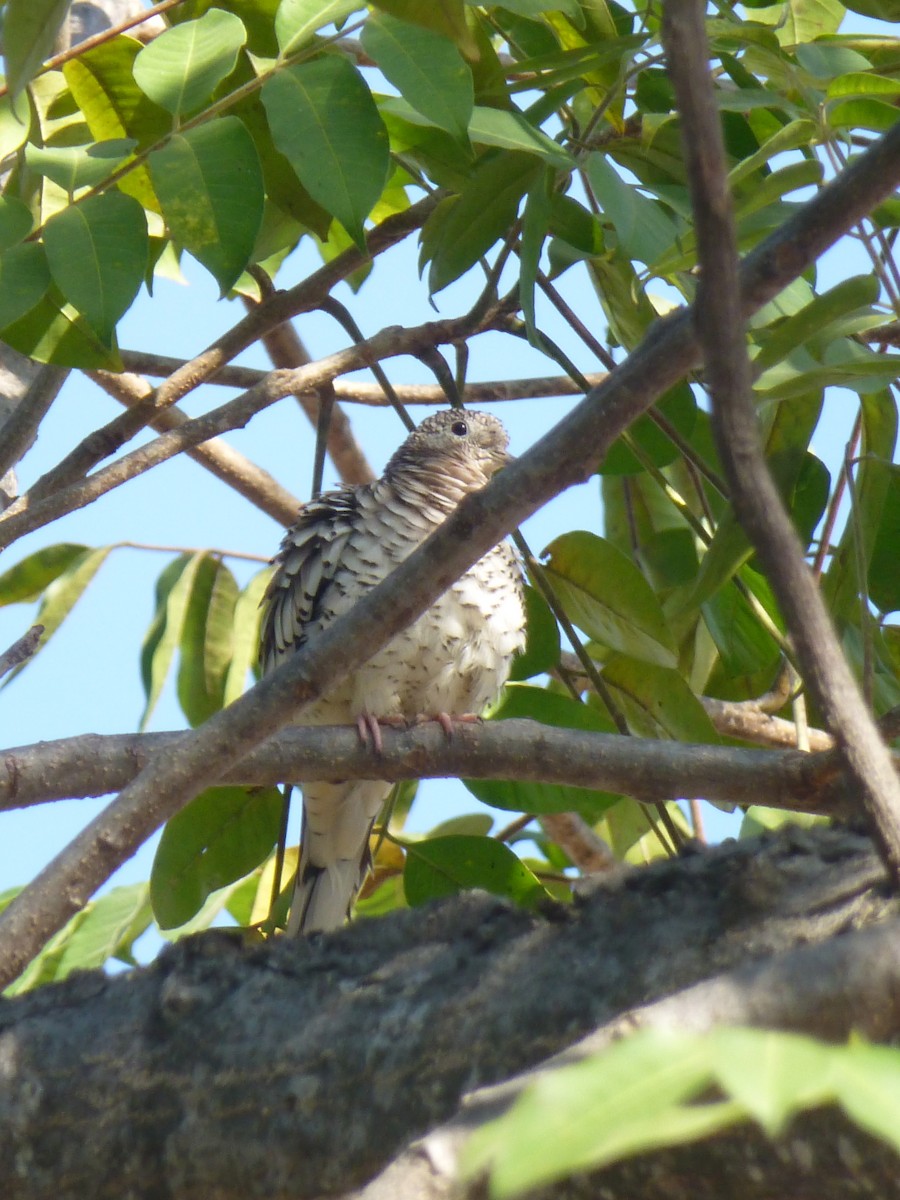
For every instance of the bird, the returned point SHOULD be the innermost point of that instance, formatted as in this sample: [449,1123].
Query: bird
[450,663]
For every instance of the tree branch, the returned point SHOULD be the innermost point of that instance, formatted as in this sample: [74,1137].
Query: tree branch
[286,350]
[371,394]
[27,514]
[283,306]
[95,764]
[831,990]
[20,427]
[566,455]
[20,650]
[243,1071]
[720,325]
[216,456]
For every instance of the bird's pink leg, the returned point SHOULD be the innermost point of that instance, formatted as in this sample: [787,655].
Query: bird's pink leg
[369,728]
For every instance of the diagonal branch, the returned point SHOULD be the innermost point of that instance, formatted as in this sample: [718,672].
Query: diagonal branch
[719,318]
[218,457]
[566,455]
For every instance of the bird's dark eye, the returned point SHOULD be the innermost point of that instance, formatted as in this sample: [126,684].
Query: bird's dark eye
[460,428]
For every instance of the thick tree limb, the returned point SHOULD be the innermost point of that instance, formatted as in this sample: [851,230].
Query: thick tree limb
[232,1069]
[720,326]
[566,455]
[20,426]
[95,764]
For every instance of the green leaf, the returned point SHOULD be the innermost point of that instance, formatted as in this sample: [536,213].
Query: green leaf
[102,84]
[209,183]
[28,579]
[822,311]
[219,837]
[245,635]
[625,1100]
[745,646]
[772,1074]
[443,866]
[206,640]
[878,115]
[425,68]
[645,232]
[62,594]
[324,121]
[606,595]
[549,708]
[15,221]
[657,702]
[847,365]
[883,577]
[24,280]
[471,824]
[842,585]
[461,230]
[649,1090]
[52,331]
[679,408]
[29,31]
[536,8]
[535,226]
[104,929]
[73,167]
[868,1089]
[447,17]
[878,10]
[97,253]
[101,81]
[181,68]
[297,20]
[541,638]
[15,123]
[510,130]
[173,591]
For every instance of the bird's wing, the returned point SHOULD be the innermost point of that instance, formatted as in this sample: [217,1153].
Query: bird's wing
[305,568]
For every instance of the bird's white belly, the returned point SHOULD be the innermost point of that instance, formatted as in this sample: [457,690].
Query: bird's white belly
[454,659]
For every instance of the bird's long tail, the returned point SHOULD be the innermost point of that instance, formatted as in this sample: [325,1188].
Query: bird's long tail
[334,853]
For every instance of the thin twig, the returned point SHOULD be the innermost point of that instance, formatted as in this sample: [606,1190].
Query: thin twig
[372,395]
[21,650]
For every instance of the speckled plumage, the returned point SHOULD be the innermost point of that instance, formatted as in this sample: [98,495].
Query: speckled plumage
[453,659]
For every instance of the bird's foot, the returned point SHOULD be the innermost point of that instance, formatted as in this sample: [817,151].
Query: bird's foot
[369,728]
[445,720]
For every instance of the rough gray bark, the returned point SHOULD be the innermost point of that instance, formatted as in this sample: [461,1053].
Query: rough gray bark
[302,1068]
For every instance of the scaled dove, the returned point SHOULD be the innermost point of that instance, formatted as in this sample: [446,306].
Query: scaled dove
[452,661]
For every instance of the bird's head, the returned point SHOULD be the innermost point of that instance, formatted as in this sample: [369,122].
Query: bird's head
[467,446]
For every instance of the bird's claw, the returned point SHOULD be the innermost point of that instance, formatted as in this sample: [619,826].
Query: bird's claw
[445,720]
[369,728]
